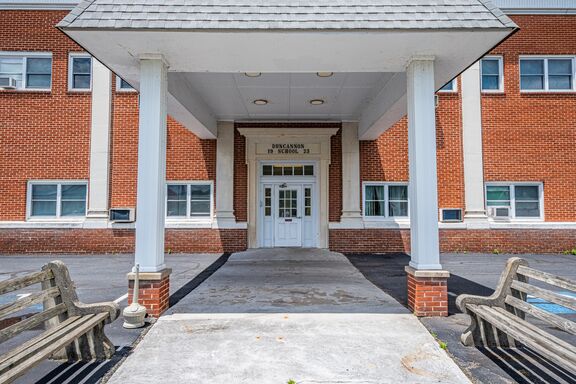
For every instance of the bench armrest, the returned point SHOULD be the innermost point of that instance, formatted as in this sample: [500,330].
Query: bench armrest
[87,309]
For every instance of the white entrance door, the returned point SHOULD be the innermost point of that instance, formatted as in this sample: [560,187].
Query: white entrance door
[288,216]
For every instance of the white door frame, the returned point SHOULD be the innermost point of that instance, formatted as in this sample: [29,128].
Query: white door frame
[257,142]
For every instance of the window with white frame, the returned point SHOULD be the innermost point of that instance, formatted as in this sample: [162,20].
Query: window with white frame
[555,73]
[28,70]
[80,72]
[524,200]
[189,200]
[449,87]
[48,199]
[491,74]
[385,200]
[123,86]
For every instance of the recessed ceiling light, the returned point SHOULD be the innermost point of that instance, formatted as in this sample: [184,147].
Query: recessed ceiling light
[253,74]
[324,74]
[260,102]
[316,101]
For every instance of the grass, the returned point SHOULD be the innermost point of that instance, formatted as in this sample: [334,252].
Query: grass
[291,382]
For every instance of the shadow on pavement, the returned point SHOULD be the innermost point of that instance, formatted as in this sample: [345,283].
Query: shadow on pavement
[485,365]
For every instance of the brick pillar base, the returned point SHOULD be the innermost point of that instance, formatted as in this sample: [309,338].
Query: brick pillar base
[427,292]
[154,292]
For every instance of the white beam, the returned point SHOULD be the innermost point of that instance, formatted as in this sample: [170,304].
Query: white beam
[472,145]
[225,175]
[423,190]
[351,214]
[101,117]
[150,212]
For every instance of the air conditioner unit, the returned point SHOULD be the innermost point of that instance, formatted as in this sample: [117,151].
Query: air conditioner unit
[7,82]
[499,213]
[121,215]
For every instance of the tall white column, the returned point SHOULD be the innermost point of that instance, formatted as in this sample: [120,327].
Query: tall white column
[100,141]
[224,216]
[351,213]
[423,190]
[150,207]
[475,211]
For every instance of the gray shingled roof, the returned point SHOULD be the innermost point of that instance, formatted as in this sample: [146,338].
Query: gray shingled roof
[286,14]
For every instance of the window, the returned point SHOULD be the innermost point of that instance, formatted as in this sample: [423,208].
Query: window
[30,71]
[123,86]
[449,87]
[385,200]
[56,200]
[287,170]
[491,73]
[524,201]
[189,201]
[547,74]
[80,72]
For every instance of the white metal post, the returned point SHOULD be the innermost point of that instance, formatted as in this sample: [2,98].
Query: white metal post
[150,207]
[423,188]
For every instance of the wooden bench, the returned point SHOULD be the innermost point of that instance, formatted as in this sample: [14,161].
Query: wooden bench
[73,331]
[506,318]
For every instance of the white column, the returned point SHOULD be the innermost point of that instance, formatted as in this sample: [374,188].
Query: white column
[475,211]
[150,207]
[423,190]
[224,216]
[100,141]
[351,213]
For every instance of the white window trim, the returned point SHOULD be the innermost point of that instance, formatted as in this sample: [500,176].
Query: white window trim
[386,216]
[120,89]
[71,57]
[29,216]
[25,55]
[188,218]
[501,74]
[449,91]
[512,185]
[545,58]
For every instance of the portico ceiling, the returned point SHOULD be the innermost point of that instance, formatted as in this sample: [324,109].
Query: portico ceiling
[209,45]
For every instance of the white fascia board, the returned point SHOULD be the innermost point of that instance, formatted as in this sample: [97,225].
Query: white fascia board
[535,7]
[51,5]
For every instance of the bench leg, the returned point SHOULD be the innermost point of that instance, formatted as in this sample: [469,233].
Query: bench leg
[102,346]
[472,336]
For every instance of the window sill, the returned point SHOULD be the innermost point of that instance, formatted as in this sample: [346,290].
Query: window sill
[26,91]
[79,91]
[493,93]
[542,92]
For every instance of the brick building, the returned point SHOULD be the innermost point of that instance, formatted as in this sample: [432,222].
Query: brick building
[312,154]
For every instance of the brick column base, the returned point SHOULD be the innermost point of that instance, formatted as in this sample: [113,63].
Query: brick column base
[154,292]
[427,292]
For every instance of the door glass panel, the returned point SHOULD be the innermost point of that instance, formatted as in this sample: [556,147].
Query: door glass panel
[287,203]
[307,202]
[268,201]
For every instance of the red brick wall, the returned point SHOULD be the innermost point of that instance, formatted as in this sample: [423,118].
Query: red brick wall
[531,137]
[456,240]
[43,135]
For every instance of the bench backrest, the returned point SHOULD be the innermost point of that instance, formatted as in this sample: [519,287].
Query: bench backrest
[521,287]
[14,317]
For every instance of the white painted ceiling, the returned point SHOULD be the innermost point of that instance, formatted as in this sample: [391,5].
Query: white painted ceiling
[230,96]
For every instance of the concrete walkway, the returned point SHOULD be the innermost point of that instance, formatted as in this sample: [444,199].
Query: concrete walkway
[270,316]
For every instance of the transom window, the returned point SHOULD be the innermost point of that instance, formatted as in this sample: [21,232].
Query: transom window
[385,200]
[547,73]
[80,72]
[288,170]
[189,200]
[28,71]
[491,72]
[56,200]
[522,200]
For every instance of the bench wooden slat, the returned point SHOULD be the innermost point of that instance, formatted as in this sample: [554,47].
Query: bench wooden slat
[555,320]
[31,322]
[24,281]
[516,328]
[568,302]
[52,344]
[547,278]
[34,298]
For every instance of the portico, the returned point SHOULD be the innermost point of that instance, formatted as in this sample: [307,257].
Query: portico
[364,67]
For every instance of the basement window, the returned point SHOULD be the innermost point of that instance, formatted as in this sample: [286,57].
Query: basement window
[192,200]
[48,199]
[26,71]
